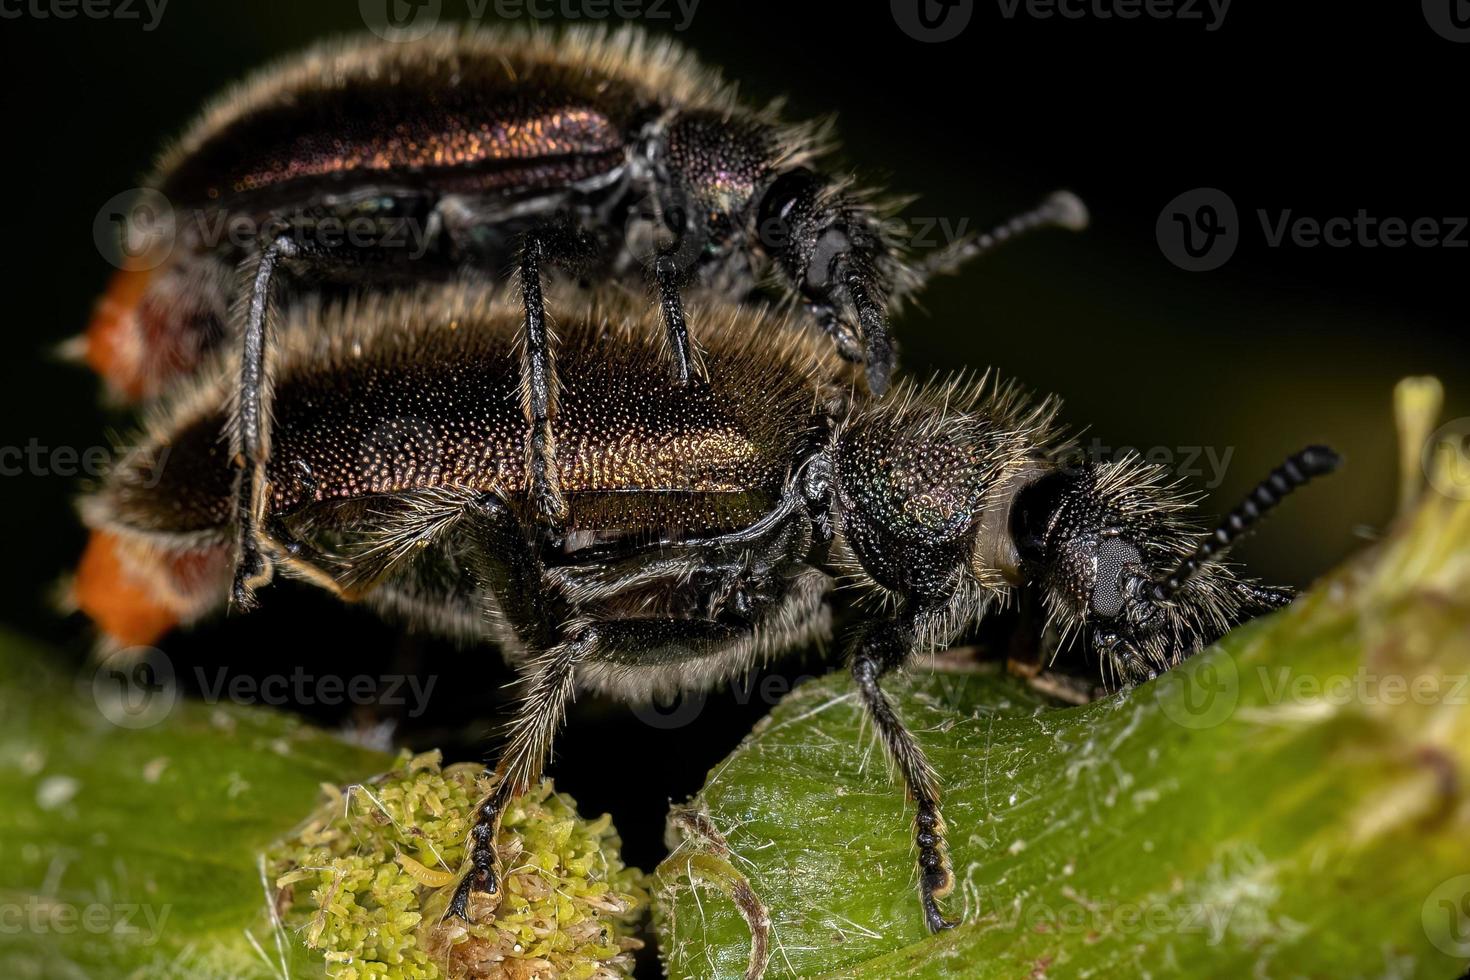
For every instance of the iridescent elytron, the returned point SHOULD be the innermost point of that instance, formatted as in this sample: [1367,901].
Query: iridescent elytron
[705,524]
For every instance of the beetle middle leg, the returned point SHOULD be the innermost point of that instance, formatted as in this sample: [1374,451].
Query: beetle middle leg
[291,249]
[879,649]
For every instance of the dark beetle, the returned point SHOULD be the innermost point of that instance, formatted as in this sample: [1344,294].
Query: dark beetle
[706,523]
[370,163]
[370,160]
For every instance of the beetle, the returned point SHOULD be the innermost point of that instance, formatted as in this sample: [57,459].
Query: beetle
[370,159]
[708,522]
[368,163]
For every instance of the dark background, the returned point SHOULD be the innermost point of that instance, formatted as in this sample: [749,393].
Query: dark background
[1312,108]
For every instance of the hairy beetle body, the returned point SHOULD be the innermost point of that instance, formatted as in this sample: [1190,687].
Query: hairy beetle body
[613,154]
[706,526]
[445,152]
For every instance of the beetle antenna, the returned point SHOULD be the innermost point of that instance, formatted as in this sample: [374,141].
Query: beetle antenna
[1298,469]
[1061,209]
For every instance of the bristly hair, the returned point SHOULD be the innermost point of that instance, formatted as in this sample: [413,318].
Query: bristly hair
[1005,436]
[1150,509]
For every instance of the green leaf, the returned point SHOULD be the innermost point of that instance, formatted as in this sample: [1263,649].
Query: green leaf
[1290,803]
[135,851]
[147,837]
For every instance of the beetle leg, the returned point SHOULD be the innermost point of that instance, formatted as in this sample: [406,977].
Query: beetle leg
[666,277]
[606,636]
[879,649]
[864,292]
[251,425]
[508,566]
[538,394]
[250,422]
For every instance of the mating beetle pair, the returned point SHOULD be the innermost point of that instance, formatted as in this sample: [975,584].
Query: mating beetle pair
[615,509]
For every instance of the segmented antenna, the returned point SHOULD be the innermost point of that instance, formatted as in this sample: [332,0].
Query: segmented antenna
[1062,209]
[1299,468]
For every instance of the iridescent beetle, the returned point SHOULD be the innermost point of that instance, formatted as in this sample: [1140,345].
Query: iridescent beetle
[706,523]
[610,151]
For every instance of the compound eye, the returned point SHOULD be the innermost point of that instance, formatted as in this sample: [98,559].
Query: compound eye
[1114,555]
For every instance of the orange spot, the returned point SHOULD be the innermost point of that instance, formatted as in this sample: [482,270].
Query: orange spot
[122,606]
[114,338]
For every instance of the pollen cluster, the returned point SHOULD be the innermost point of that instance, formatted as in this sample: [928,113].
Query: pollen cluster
[366,880]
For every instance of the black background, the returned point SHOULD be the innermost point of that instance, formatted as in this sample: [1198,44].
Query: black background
[1320,109]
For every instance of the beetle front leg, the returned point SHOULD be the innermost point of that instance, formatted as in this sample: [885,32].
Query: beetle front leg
[879,649]
[676,329]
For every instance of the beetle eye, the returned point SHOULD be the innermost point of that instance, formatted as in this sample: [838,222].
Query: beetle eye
[1113,556]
